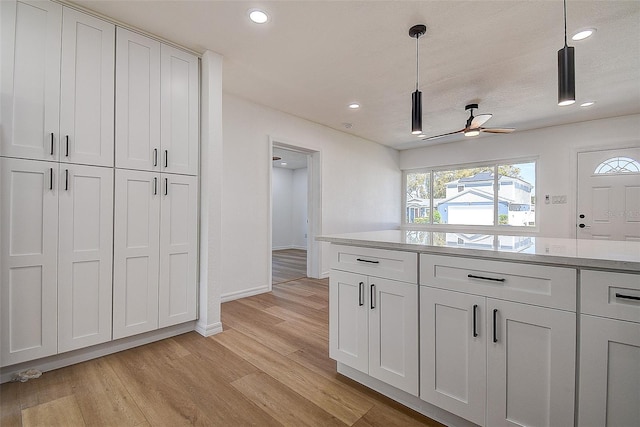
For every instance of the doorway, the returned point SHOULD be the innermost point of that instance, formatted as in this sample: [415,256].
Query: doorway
[608,199]
[295,211]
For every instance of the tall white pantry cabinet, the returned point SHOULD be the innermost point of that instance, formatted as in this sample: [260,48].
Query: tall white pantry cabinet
[72,249]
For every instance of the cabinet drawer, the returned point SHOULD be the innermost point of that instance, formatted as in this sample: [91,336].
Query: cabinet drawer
[545,286]
[614,295]
[396,265]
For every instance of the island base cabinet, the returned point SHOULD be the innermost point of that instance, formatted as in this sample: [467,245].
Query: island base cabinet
[373,327]
[453,352]
[530,365]
[609,372]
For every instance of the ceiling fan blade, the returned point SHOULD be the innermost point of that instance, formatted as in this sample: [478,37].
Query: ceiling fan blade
[479,120]
[497,130]
[443,135]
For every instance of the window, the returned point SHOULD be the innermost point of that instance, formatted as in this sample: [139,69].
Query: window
[492,195]
[617,165]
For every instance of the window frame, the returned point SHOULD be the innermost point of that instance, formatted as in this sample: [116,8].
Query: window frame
[496,227]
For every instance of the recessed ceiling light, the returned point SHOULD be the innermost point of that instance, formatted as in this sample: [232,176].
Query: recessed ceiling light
[283,164]
[258,16]
[587,104]
[354,105]
[581,35]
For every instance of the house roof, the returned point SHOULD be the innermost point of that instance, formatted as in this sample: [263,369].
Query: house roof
[473,196]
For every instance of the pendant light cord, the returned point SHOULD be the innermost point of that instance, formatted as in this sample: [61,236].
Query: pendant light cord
[417,60]
[565,22]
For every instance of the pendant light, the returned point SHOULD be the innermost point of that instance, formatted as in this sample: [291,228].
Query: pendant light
[566,69]
[416,97]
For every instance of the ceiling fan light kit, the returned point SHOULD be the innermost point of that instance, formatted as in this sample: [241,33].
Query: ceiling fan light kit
[416,97]
[566,69]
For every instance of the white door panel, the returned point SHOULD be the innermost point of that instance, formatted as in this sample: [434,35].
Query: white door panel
[87,89]
[28,241]
[137,101]
[178,249]
[608,202]
[179,111]
[30,84]
[136,252]
[85,256]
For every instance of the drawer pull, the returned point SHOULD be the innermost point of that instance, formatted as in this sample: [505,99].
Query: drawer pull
[373,296]
[367,260]
[361,294]
[475,316]
[485,278]
[631,297]
[495,326]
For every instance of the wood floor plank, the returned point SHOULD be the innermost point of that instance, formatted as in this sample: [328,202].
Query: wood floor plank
[288,264]
[102,398]
[10,408]
[336,399]
[60,412]
[283,404]
[377,417]
[312,301]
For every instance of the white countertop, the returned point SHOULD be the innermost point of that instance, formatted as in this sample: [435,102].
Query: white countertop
[597,254]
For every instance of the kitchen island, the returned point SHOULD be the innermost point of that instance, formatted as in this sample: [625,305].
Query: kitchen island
[474,329]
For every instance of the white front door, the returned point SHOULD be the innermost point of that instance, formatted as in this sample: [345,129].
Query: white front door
[608,201]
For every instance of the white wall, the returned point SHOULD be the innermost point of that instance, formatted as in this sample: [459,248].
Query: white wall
[555,148]
[361,184]
[289,208]
[299,209]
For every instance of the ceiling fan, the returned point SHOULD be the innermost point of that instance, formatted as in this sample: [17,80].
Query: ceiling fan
[474,125]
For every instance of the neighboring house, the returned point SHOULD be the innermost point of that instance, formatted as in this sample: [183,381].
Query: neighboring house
[470,200]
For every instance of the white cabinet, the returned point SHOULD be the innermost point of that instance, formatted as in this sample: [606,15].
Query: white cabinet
[29,241]
[56,258]
[84,256]
[86,89]
[453,349]
[57,84]
[179,111]
[492,361]
[609,349]
[155,251]
[156,106]
[373,321]
[137,101]
[30,85]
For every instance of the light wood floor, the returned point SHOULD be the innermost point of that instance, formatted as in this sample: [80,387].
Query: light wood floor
[269,367]
[288,264]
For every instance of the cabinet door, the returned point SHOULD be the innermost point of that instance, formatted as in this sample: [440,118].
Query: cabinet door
[137,101]
[29,244]
[609,372]
[179,111]
[530,365]
[87,89]
[30,82]
[136,251]
[348,319]
[393,333]
[453,352]
[178,249]
[85,256]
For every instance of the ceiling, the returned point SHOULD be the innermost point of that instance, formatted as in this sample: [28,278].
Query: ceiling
[289,159]
[313,58]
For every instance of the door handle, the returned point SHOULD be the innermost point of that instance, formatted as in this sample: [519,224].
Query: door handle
[373,296]
[475,316]
[495,325]
[360,294]
[584,226]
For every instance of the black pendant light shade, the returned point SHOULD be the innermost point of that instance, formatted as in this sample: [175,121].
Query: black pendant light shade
[566,76]
[416,97]
[566,69]
[416,112]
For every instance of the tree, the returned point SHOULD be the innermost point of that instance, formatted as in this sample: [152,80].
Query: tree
[417,186]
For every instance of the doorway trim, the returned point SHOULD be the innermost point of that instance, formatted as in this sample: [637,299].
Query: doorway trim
[314,203]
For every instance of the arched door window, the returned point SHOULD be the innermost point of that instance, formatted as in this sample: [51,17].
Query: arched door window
[618,165]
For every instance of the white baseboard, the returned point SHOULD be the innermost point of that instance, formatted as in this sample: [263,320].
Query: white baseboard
[408,400]
[209,330]
[82,355]
[282,248]
[244,293]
